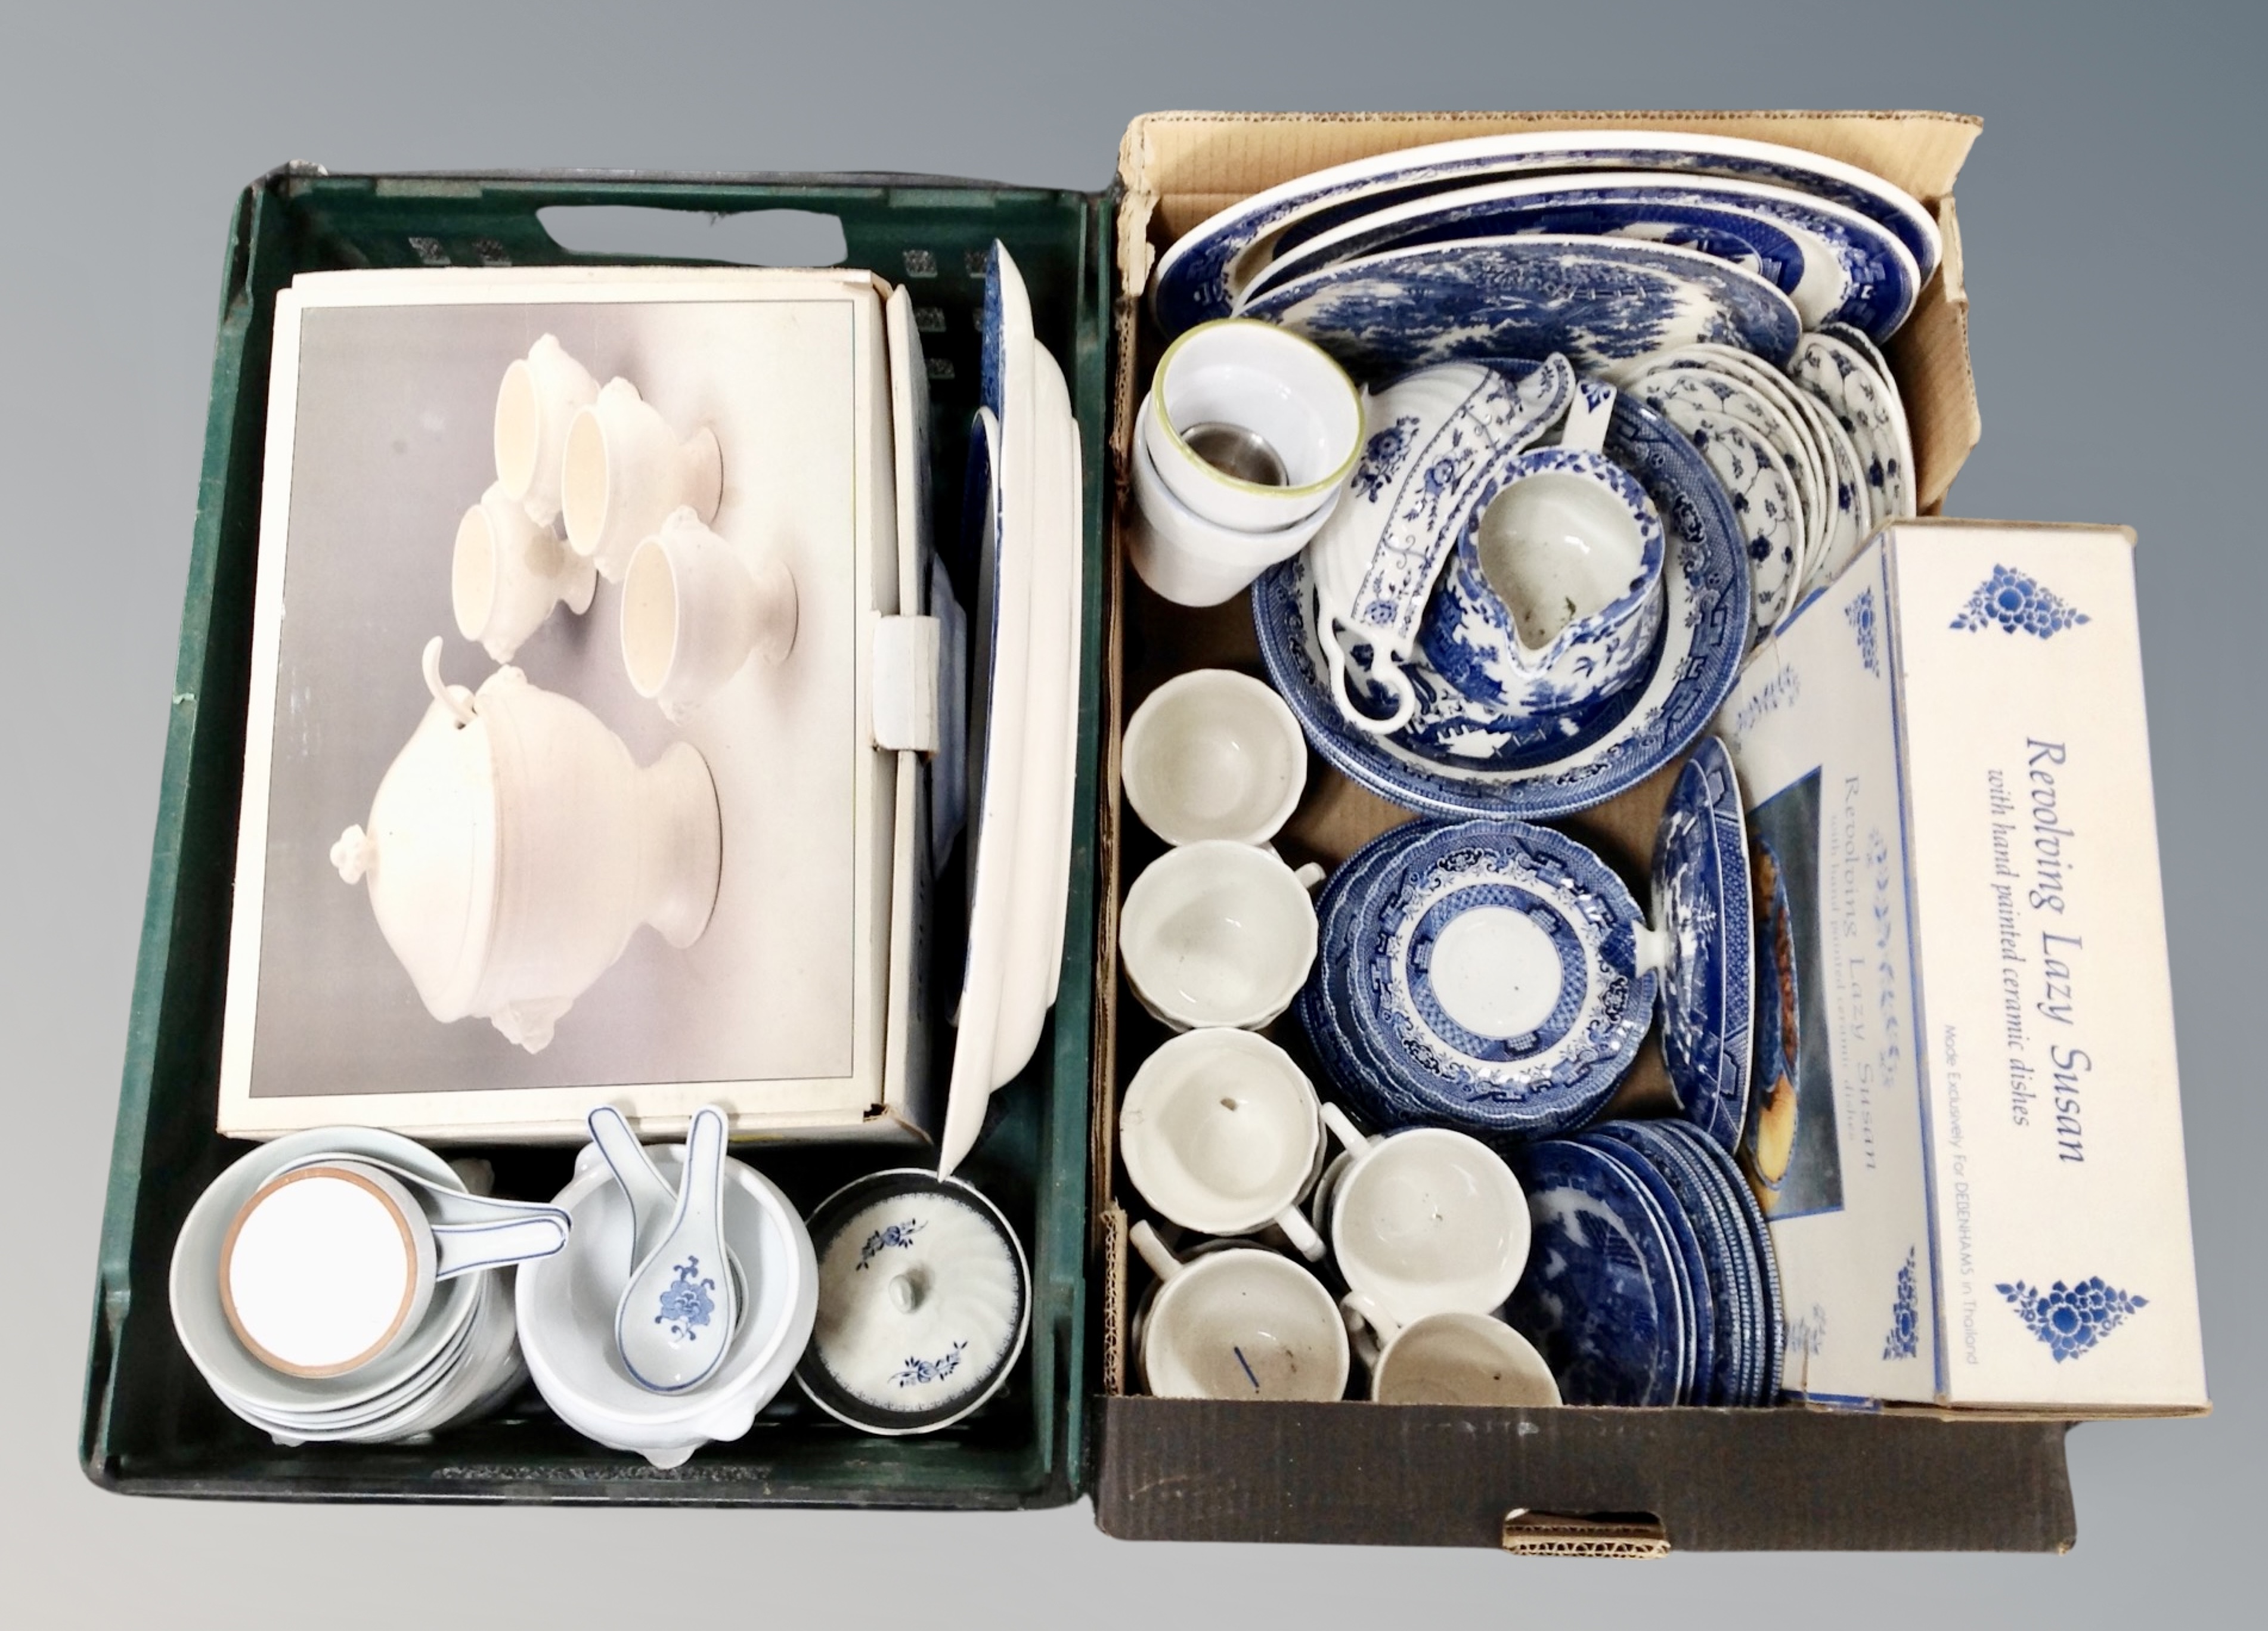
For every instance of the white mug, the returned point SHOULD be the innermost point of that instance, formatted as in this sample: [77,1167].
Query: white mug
[507,573]
[1451,1359]
[1220,1131]
[1427,1221]
[539,398]
[625,469]
[695,608]
[331,1265]
[1240,1322]
[1219,934]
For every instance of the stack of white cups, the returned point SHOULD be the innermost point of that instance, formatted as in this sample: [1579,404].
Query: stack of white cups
[1243,446]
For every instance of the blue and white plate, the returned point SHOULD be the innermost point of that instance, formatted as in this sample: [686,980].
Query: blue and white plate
[1599,1299]
[1766,1263]
[1705,625]
[1209,266]
[1491,976]
[1605,303]
[1697,1359]
[1834,263]
[1708,976]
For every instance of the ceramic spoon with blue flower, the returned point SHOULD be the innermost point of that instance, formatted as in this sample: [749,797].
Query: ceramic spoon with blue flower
[677,1314]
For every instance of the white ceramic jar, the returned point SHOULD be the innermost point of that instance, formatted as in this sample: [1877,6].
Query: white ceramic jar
[514,846]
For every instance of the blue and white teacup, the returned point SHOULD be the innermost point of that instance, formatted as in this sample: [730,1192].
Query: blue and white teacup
[1552,595]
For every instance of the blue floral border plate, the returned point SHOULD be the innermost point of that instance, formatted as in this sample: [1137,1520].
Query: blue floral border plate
[1708,976]
[1203,271]
[1705,626]
[1605,303]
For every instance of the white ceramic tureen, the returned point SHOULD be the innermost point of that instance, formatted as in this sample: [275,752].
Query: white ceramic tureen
[514,846]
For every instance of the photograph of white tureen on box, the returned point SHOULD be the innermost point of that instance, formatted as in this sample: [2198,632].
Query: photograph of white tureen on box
[561,780]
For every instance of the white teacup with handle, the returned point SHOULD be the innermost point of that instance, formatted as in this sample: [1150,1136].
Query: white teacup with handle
[1220,1131]
[1237,1323]
[1424,1221]
[1219,933]
[1453,1359]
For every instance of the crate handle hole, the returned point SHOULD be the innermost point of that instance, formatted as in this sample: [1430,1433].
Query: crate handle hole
[739,238]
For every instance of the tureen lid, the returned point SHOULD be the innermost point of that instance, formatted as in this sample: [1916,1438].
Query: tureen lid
[430,851]
[924,1303]
[1706,932]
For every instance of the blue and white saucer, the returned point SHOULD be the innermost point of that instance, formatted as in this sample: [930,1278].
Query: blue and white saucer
[1209,266]
[1458,758]
[1605,303]
[1482,975]
[1701,907]
[1600,1297]
[1834,263]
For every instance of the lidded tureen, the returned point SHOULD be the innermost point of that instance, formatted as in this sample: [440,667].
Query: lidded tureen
[514,846]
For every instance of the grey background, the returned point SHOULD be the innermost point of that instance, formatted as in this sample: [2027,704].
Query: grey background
[2111,213]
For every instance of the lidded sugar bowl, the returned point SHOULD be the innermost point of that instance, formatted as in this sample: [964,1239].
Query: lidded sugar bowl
[514,846]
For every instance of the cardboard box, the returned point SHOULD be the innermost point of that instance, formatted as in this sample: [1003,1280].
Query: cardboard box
[1541,1480]
[1973,1172]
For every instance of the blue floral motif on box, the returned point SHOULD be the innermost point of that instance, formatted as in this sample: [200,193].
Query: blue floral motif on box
[899,1234]
[917,1372]
[1861,612]
[2071,1319]
[1904,1340]
[686,1304]
[2012,600]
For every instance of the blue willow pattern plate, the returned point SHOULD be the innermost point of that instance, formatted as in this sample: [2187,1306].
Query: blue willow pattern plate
[1599,1299]
[1697,1359]
[1834,263]
[1543,1080]
[1708,977]
[1200,274]
[1605,303]
[1706,623]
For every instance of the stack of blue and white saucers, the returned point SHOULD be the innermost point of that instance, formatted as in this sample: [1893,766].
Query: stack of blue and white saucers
[1482,975]
[1498,978]
[1651,1280]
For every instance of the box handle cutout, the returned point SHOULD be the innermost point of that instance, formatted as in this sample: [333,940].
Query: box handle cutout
[1635,1536]
[742,237]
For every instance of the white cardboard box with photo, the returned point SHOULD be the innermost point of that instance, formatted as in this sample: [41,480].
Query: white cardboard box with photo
[1971,1147]
[384,387]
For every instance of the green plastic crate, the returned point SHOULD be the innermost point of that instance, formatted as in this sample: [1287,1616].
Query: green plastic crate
[151,1425]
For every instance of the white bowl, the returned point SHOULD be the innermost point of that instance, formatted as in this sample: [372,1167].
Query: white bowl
[1193,562]
[244,1383]
[1213,754]
[1269,383]
[567,1315]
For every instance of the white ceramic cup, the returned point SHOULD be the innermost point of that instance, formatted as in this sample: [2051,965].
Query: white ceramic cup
[1213,754]
[538,399]
[1190,561]
[1217,933]
[1427,1221]
[1453,1359]
[507,573]
[1252,426]
[1238,1324]
[625,469]
[331,1264]
[695,608]
[1219,1132]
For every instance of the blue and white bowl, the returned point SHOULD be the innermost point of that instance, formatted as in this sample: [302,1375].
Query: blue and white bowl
[1552,595]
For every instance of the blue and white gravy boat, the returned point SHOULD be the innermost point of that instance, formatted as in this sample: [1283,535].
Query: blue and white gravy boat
[1553,594]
